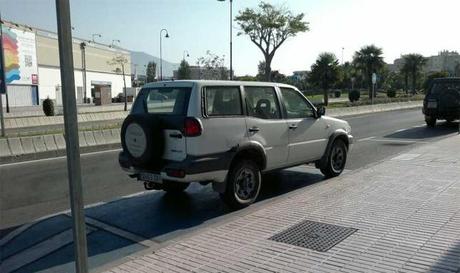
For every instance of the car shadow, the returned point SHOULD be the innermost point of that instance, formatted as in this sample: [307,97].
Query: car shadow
[419,133]
[449,261]
[154,215]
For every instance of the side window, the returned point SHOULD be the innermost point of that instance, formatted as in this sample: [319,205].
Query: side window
[296,105]
[223,101]
[262,102]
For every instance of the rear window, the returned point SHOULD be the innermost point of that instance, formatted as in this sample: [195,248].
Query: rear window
[163,101]
[445,87]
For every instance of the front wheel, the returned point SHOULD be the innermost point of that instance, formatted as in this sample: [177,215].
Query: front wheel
[243,185]
[336,159]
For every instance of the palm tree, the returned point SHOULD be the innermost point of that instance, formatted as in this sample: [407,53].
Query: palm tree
[325,72]
[413,64]
[369,60]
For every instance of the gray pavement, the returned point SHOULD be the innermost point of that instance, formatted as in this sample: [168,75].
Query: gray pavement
[404,212]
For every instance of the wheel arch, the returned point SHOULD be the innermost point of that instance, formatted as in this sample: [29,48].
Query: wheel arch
[339,134]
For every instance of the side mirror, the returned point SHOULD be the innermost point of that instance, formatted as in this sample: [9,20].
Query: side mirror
[321,111]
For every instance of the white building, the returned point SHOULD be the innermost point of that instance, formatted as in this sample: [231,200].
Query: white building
[33,72]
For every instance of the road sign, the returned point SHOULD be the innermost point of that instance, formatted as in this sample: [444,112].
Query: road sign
[374,78]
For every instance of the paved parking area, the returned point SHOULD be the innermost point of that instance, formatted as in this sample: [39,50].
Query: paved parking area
[406,212]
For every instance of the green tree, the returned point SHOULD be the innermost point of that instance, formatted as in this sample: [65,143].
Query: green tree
[183,71]
[369,60]
[121,61]
[413,65]
[213,67]
[325,73]
[268,27]
[151,71]
[457,70]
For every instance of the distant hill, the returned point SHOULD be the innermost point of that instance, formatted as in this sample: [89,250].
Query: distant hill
[142,58]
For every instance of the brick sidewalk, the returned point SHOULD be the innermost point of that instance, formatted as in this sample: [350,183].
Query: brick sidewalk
[406,211]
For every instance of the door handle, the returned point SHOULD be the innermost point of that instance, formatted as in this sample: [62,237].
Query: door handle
[254,129]
[293,126]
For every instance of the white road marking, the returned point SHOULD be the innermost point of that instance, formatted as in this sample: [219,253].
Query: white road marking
[38,251]
[392,140]
[406,157]
[120,232]
[401,130]
[366,138]
[56,158]
[10,236]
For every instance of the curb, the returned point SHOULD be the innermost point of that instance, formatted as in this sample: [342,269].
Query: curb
[18,149]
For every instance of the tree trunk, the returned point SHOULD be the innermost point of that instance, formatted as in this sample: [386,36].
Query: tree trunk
[369,80]
[326,96]
[414,81]
[406,82]
[268,69]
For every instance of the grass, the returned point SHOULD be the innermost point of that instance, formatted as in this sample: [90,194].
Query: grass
[377,100]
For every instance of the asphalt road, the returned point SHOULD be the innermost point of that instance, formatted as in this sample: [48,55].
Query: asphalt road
[35,189]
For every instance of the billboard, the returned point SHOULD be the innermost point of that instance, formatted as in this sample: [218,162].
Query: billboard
[20,56]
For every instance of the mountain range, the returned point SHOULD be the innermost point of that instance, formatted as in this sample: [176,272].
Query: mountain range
[141,59]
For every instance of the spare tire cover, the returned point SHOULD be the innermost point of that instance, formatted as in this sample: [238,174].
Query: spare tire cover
[142,139]
[135,140]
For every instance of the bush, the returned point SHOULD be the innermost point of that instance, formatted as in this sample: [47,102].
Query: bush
[391,93]
[354,95]
[337,93]
[48,107]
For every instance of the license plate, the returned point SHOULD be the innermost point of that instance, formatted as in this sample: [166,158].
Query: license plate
[150,177]
[432,104]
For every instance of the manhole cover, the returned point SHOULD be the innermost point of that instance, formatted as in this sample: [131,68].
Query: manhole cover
[313,235]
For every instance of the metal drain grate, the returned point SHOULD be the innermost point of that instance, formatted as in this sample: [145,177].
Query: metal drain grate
[313,235]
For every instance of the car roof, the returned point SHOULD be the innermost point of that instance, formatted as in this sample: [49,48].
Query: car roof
[452,79]
[201,83]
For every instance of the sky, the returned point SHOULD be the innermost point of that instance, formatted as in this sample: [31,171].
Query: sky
[397,26]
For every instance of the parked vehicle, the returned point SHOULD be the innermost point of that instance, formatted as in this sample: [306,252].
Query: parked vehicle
[442,101]
[227,133]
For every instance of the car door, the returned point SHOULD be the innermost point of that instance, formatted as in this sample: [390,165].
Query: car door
[308,135]
[265,124]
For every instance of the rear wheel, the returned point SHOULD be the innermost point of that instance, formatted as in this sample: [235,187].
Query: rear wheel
[336,159]
[430,121]
[243,185]
[174,187]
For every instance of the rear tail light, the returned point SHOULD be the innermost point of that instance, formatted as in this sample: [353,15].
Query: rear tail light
[175,173]
[192,127]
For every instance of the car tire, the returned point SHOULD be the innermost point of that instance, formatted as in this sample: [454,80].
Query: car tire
[244,182]
[336,159]
[430,121]
[174,187]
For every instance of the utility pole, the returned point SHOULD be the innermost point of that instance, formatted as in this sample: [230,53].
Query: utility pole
[124,83]
[71,134]
[83,65]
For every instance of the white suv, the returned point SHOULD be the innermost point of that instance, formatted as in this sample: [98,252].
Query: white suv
[227,133]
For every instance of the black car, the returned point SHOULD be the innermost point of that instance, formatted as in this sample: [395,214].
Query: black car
[442,101]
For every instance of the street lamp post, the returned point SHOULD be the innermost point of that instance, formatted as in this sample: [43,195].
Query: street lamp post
[185,55]
[161,56]
[95,35]
[113,42]
[231,37]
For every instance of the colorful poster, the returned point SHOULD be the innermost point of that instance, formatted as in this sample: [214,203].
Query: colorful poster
[20,56]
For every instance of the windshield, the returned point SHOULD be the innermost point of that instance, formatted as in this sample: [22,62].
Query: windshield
[165,101]
[445,87]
